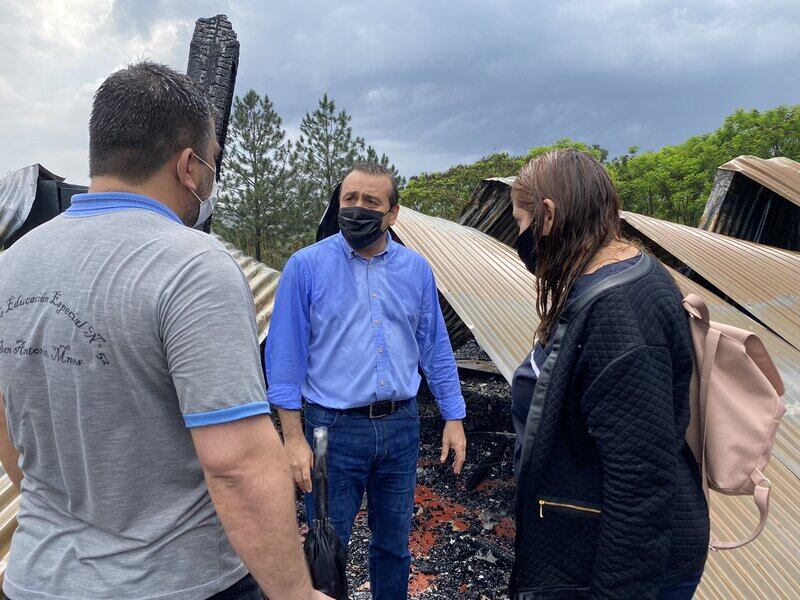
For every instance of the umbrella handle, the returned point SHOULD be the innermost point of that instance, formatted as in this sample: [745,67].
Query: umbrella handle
[320,473]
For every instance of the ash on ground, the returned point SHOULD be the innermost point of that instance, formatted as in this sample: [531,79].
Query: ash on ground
[471,350]
[462,540]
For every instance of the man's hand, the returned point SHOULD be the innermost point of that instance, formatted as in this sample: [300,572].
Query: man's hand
[453,438]
[301,459]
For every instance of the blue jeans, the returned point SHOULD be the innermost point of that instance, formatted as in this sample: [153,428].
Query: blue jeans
[681,591]
[379,456]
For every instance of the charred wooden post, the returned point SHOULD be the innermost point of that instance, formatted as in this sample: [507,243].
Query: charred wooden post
[214,62]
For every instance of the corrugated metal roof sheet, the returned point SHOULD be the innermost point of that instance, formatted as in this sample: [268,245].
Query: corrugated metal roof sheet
[763,280]
[769,567]
[486,283]
[263,284]
[781,174]
[785,356]
[17,191]
[482,279]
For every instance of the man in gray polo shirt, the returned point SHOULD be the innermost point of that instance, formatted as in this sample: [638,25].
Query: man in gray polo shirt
[129,365]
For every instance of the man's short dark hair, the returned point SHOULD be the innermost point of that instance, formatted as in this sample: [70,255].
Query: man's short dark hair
[141,116]
[373,168]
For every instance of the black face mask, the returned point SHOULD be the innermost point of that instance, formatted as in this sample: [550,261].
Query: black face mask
[361,226]
[526,248]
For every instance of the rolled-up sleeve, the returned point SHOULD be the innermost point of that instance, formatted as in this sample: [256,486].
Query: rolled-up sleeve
[286,355]
[436,353]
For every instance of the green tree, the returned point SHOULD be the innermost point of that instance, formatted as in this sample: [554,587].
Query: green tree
[256,177]
[674,182]
[445,194]
[325,149]
[765,134]
[595,150]
[372,156]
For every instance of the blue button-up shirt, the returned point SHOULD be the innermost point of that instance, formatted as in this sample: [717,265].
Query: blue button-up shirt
[348,332]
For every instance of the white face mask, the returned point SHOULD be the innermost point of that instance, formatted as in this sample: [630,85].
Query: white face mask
[207,205]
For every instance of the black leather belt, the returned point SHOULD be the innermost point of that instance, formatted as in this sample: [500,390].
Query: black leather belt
[378,410]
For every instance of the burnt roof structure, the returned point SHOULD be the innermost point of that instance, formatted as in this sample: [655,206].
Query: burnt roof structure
[29,197]
[756,200]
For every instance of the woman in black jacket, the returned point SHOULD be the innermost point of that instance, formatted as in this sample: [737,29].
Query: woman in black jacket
[609,502]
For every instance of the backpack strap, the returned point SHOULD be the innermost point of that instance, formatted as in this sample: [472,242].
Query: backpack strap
[695,306]
[709,353]
[761,497]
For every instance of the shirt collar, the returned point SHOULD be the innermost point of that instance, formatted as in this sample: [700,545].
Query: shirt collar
[350,252]
[85,205]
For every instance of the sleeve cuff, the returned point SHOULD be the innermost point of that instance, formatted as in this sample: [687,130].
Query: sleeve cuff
[285,396]
[226,415]
[453,408]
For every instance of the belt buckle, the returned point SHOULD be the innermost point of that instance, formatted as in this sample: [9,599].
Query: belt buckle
[374,416]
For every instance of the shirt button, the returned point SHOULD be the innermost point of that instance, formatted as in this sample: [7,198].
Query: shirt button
[377,321]
[374,295]
[380,349]
[383,382]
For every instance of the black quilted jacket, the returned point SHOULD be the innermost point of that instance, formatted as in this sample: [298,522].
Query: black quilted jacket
[609,500]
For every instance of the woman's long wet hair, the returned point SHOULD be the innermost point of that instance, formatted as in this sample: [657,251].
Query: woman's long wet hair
[586,219]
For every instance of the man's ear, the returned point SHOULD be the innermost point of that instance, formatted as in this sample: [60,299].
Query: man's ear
[393,212]
[185,176]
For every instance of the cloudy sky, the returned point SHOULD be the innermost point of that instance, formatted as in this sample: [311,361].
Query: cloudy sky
[430,83]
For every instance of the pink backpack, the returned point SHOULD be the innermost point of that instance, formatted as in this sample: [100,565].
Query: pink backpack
[736,410]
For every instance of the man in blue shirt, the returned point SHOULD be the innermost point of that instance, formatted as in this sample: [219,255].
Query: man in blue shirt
[356,316]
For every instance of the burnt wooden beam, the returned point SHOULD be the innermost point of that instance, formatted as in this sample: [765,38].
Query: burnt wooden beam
[214,62]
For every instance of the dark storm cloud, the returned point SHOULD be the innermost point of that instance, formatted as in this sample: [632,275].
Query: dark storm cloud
[436,83]
[433,83]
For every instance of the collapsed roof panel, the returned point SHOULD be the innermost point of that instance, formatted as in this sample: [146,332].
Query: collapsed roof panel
[780,174]
[482,279]
[17,191]
[757,200]
[263,283]
[489,210]
[785,356]
[765,281]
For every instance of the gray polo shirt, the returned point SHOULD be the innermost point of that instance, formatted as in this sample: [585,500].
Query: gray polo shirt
[120,328]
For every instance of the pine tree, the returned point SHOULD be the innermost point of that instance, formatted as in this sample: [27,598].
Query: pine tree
[323,153]
[372,156]
[256,177]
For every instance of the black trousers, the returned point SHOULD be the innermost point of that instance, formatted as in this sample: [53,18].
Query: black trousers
[244,589]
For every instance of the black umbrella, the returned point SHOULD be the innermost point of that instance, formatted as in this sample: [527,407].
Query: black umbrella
[326,555]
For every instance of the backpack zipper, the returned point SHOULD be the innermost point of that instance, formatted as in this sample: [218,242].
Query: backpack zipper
[543,503]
